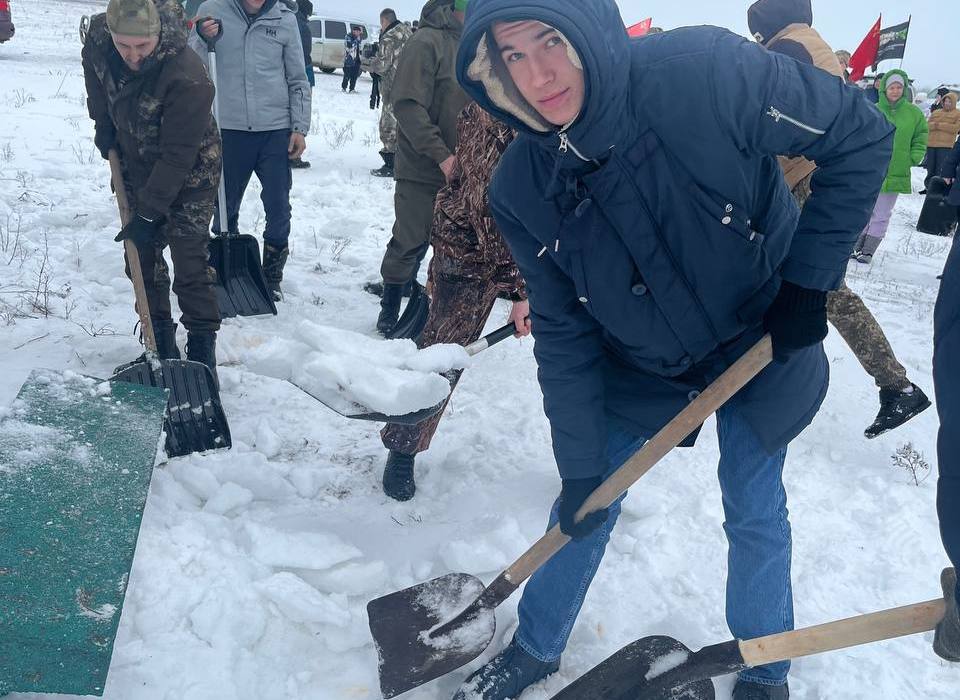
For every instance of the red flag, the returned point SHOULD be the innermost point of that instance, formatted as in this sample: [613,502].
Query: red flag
[866,54]
[641,28]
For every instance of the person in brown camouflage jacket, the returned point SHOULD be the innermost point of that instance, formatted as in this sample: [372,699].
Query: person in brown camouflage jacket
[149,98]
[471,268]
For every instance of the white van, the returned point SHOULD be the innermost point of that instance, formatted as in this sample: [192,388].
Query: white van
[329,34]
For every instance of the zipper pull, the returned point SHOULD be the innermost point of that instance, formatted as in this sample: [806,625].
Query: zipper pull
[775,113]
[564,142]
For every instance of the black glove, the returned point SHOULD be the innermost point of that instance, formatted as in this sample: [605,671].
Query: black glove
[573,494]
[796,319]
[143,232]
[105,138]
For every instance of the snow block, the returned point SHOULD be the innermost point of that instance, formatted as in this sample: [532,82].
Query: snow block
[76,458]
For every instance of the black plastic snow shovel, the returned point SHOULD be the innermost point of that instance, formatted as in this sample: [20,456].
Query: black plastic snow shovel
[354,411]
[414,316]
[240,285]
[662,668]
[195,421]
[428,630]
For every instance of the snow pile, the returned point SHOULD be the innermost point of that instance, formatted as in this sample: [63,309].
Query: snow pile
[665,663]
[352,372]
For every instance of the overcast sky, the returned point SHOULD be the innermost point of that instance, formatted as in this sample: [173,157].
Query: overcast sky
[933,49]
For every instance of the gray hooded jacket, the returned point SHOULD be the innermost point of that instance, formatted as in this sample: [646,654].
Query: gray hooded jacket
[261,75]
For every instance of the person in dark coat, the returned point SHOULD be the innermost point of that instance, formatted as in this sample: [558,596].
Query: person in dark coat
[946,376]
[353,46]
[149,98]
[304,10]
[656,252]
[873,92]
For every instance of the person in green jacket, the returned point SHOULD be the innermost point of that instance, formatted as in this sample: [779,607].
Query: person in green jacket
[909,147]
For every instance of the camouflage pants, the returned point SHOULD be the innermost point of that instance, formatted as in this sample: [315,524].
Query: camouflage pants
[459,310]
[858,327]
[186,231]
[388,127]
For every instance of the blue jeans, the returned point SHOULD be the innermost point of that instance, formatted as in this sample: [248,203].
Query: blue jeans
[759,594]
[263,153]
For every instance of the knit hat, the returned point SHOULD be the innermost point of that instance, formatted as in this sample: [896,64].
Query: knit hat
[133,18]
[767,18]
[460,5]
[896,79]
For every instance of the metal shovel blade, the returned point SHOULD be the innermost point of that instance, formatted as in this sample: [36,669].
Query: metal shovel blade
[195,419]
[354,411]
[652,668]
[240,286]
[401,624]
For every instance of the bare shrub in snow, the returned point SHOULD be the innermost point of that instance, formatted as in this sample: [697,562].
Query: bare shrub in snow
[10,238]
[338,136]
[339,246]
[83,155]
[21,97]
[6,152]
[371,138]
[911,460]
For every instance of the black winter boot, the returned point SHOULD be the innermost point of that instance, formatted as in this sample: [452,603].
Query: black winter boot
[896,408]
[506,676]
[376,289]
[202,347]
[755,691]
[398,481]
[386,170]
[946,640]
[389,308]
[165,333]
[274,260]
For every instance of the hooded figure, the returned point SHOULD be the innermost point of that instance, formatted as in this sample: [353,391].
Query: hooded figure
[909,148]
[944,125]
[656,251]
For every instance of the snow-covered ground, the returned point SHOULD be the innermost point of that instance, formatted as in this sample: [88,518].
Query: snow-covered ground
[255,565]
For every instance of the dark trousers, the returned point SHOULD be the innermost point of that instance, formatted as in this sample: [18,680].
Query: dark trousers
[934,162]
[350,76]
[459,308]
[263,153]
[946,377]
[186,231]
[413,204]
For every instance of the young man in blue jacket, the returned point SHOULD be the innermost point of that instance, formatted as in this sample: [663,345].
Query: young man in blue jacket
[657,249]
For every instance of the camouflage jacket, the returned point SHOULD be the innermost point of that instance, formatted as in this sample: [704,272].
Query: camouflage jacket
[466,241]
[158,117]
[384,63]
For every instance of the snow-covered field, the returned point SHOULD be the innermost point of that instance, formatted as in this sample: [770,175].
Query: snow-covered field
[255,565]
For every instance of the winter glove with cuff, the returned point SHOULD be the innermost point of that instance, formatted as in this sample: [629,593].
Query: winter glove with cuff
[573,495]
[142,231]
[796,319]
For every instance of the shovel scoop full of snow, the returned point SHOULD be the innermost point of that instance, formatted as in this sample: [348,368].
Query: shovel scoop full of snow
[414,637]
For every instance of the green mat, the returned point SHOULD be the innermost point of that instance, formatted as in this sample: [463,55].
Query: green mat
[76,457]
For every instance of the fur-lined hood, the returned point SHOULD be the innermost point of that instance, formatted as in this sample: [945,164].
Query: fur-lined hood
[599,45]
[173,34]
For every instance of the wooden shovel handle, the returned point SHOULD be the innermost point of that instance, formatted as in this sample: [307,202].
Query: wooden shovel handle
[671,435]
[133,256]
[864,629]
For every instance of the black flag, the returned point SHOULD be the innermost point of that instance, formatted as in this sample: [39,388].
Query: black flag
[893,42]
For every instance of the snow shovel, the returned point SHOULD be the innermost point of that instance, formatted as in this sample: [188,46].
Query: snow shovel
[76,457]
[240,285]
[356,412]
[662,668]
[414,316]
[195,419]
[418,632]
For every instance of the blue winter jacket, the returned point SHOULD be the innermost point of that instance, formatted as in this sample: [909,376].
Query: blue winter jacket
[653,235]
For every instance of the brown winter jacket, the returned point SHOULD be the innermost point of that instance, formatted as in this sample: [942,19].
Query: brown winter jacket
[783,26]
[158,117]
[944,126]
[427,99]
[466,241]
